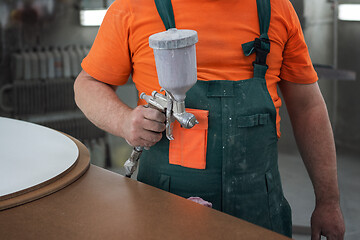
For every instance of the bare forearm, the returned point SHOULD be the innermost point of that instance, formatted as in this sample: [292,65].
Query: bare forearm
[315,140]
[100,104]
[139,126]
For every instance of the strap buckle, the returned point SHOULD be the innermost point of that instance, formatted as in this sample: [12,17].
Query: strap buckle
[262,48]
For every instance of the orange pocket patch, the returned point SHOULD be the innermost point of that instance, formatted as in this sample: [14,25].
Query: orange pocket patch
[188,149]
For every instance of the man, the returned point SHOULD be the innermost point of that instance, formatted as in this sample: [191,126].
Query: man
[238,108]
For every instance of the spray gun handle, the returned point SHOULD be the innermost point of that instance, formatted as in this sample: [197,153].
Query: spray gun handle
[173,110]
[163,104]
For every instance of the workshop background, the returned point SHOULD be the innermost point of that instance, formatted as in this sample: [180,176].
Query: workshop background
[42,43]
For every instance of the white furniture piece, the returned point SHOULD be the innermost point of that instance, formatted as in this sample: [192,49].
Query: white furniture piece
[32,155]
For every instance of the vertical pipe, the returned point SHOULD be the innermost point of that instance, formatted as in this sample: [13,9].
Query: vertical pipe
[4,15]
[2,45]
[335,64]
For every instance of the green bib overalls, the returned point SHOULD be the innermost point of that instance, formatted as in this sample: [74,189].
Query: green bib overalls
[241,176]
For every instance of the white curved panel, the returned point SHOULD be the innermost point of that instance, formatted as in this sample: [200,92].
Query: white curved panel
[31,154]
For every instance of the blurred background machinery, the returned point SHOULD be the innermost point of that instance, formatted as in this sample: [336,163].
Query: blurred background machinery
[42,44]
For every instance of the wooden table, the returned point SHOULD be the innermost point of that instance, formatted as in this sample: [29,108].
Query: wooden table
[105,205]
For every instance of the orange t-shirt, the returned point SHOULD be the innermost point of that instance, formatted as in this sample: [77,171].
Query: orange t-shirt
[121,46]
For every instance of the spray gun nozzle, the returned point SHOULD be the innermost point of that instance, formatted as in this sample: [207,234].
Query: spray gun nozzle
[192,123]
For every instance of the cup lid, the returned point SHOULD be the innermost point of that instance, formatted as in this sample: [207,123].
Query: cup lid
[173,38]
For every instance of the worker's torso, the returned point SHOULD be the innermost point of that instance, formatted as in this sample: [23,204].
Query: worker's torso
[240,176]
[219,52]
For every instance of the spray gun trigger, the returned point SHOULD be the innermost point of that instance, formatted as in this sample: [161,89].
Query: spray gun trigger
[169,128]
[169,119]
[169,134]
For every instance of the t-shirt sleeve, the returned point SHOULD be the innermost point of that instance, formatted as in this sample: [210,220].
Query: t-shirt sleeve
[109,59]
[296,66]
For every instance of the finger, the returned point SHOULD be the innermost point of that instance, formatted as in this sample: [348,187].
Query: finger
[315,234]
[129,143]
[335,237]
[150,139]
[153,126]
[331,237]
[141,142]
[155,115]
[147,139]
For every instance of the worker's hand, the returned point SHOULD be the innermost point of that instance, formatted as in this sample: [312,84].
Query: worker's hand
[143,126]
[327,220]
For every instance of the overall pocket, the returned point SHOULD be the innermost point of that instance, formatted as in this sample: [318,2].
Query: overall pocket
[255,140]
[188,149]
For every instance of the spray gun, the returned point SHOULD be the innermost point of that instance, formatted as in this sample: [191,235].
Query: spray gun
[175,60]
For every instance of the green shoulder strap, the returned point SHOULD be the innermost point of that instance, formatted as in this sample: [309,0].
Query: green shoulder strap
[264,12]
[166,13]
[261,45]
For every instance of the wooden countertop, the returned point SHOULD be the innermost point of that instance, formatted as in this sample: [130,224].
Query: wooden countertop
[105,205]
[93,203]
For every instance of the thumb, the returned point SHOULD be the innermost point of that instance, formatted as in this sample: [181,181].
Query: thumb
[315,233]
